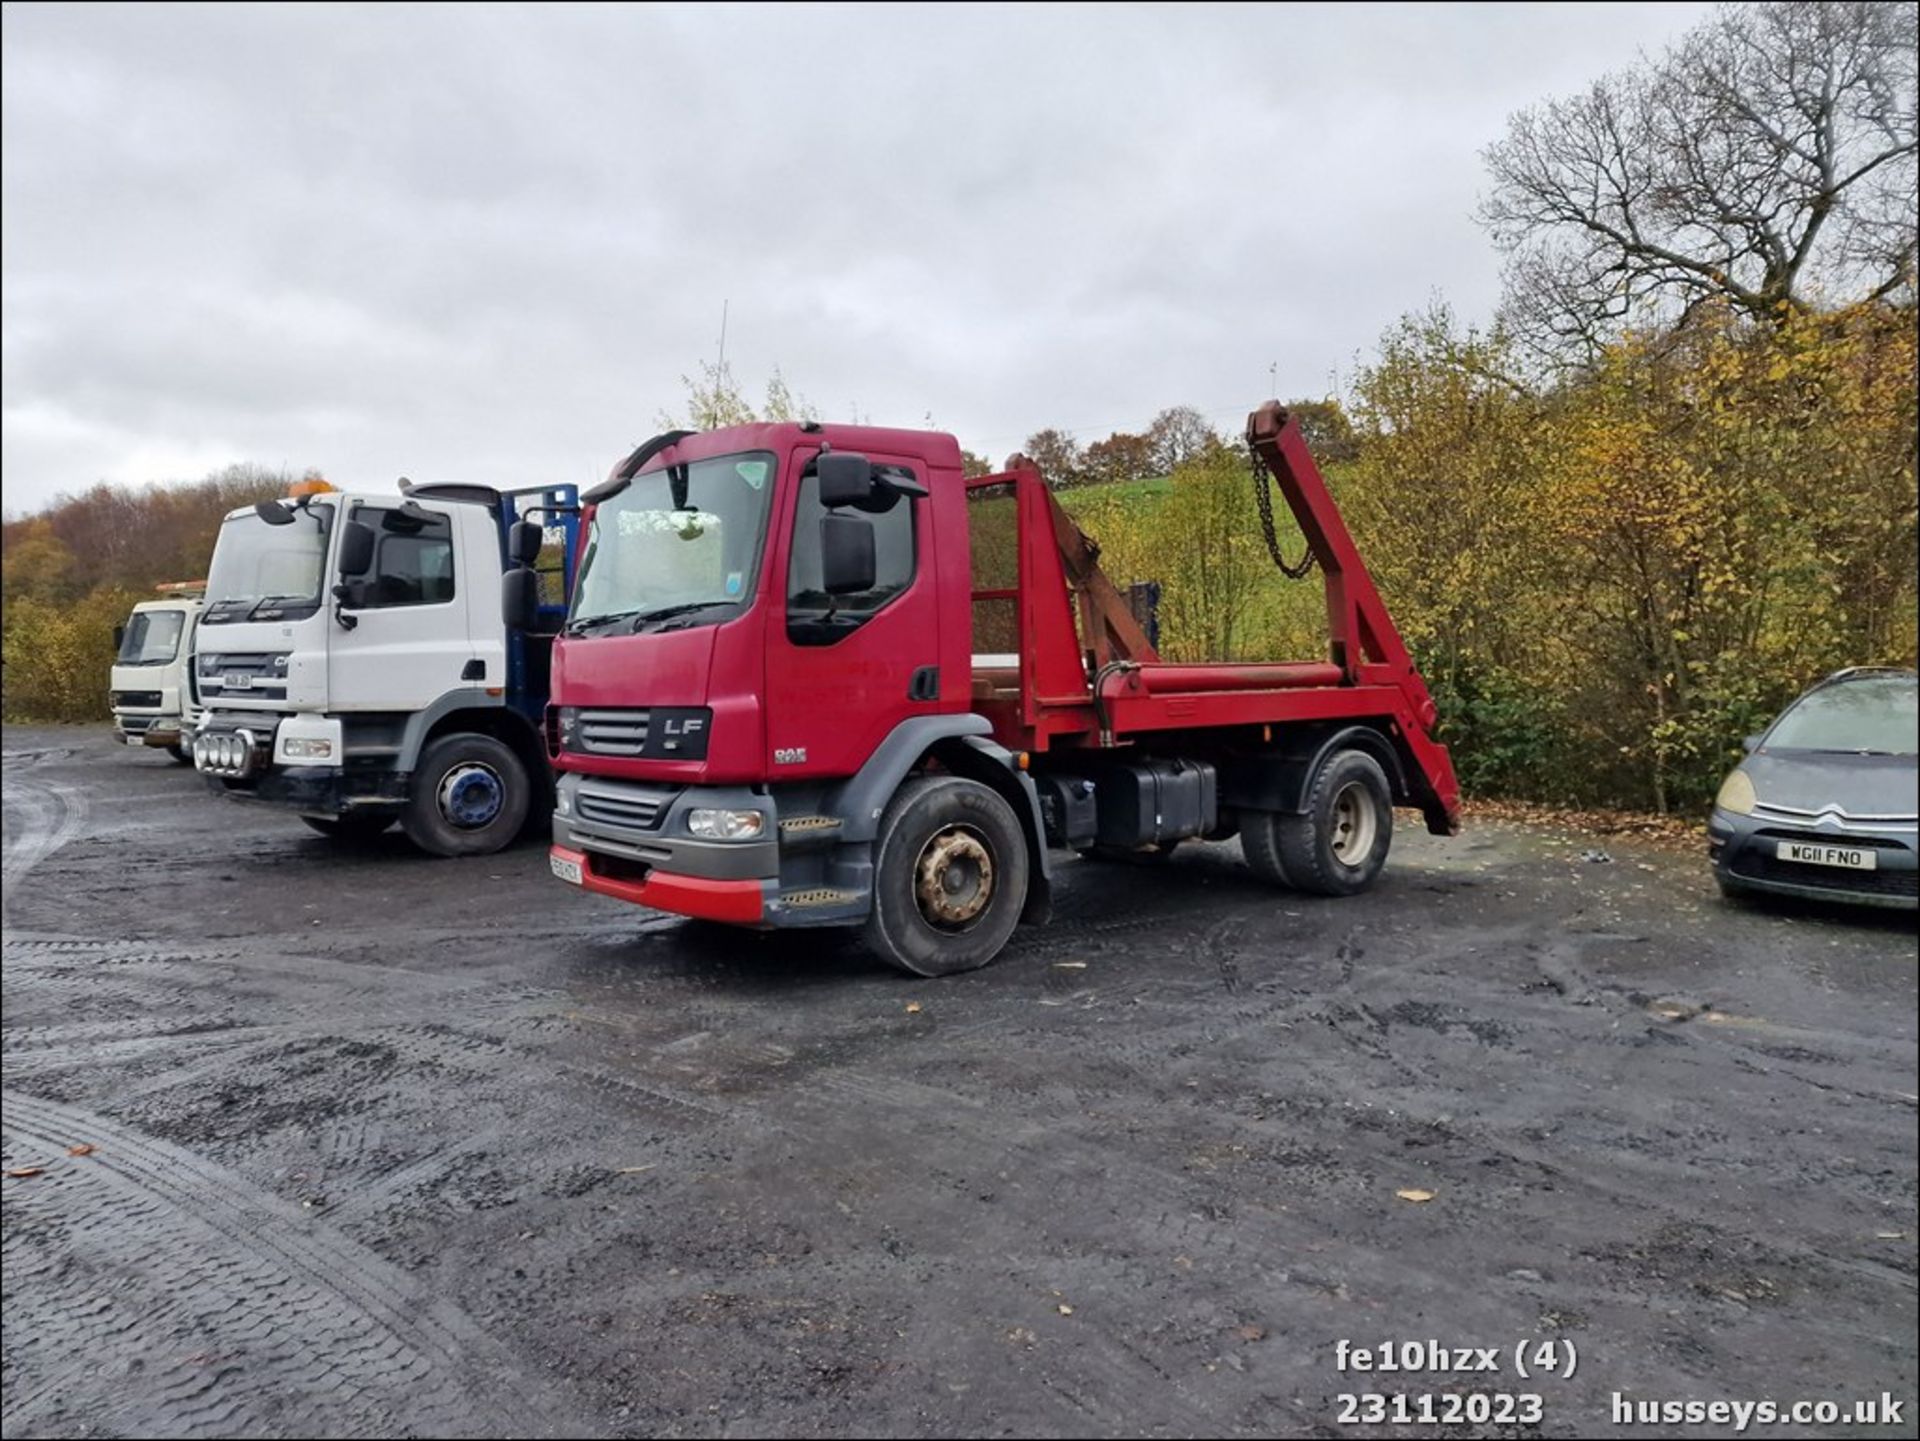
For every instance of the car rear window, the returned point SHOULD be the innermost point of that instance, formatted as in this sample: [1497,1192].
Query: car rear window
[1881,714]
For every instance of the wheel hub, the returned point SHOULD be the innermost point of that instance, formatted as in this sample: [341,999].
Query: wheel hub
[1354,825]
[953,880]
[471,795]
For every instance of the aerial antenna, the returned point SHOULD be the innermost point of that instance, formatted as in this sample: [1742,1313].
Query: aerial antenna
[722,366]
[1273,380]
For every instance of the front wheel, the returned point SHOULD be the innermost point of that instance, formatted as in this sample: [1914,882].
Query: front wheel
[181,755]
[950,878]
[470,797]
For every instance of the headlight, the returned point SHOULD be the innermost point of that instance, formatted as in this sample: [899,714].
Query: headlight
[1737,794]
[562,802]
[308,748]
[726,825]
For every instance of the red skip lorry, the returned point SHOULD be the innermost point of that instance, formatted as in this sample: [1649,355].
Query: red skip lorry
[813,675]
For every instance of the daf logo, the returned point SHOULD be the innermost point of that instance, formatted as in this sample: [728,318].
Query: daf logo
[790,756]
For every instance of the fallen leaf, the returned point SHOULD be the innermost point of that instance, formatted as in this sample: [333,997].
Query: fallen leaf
[20,1173]
[85,1148]
[1414,1194]
[913,1008]
[1065,1309]
[1252,1333]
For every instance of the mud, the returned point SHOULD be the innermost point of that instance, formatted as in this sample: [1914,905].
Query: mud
[386,1144]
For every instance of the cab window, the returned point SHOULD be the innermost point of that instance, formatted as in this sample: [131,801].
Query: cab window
[412,558]
[813,616]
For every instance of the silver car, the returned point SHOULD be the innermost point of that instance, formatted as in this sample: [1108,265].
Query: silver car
[1827,803]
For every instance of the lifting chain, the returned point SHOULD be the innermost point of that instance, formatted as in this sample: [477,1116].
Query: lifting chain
[1263,493]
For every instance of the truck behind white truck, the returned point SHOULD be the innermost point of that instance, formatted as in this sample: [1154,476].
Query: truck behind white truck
[355,669]
[151,684]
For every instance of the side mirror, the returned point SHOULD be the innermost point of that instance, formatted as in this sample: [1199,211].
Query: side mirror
[524,540]
[273,512]
[520,599]
[351,593]
[846,554]
[1750,744]
[356,548]
[119,636]
[845,479]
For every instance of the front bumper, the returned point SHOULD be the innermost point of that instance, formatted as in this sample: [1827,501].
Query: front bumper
[737,902]
[1745,855]
[149,730]
[647,826]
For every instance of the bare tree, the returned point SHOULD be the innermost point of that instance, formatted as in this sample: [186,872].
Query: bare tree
[1765,162]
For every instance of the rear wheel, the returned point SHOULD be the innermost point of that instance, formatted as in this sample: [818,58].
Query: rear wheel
[470,797]
[950,878]
[1338,845]
[353,826]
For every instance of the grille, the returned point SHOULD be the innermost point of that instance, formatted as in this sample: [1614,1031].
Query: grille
[1759,866]
[633,807]
[262,677]
[136,697]
[613,732]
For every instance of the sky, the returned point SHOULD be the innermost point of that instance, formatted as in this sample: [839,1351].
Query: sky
[485,242]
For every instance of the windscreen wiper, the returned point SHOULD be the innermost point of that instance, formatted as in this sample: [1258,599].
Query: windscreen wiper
[266,600]
[668,612]
[580,623]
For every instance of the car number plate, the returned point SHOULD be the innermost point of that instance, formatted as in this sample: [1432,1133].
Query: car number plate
[1856,858]
[237,680]
[565,869]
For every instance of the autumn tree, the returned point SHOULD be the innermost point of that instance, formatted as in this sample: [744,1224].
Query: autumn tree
[1058,455]
[1120,457]
[716,398]
[1766,162]
[1326,428]
[1177,435]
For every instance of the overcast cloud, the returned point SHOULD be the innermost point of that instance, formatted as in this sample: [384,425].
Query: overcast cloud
[483,243]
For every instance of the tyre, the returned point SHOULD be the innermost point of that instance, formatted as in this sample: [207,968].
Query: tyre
[1338,845]
[949,879]
[352,827]
[470,797]
[181,755]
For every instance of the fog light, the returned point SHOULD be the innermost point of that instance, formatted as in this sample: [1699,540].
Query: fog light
[726,825]
[302,748]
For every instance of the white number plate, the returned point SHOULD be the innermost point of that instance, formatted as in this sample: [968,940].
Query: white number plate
[565,869]
[1854,857]
[237,680]
[136,740]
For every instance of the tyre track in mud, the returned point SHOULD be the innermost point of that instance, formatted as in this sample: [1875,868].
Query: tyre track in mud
[318,1336]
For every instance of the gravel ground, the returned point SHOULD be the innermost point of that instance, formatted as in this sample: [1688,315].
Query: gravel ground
[386,1145]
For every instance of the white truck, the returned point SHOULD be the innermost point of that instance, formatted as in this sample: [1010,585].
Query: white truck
[354,667]
[150,687]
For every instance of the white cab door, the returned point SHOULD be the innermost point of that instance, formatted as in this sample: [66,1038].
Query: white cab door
[409,641]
